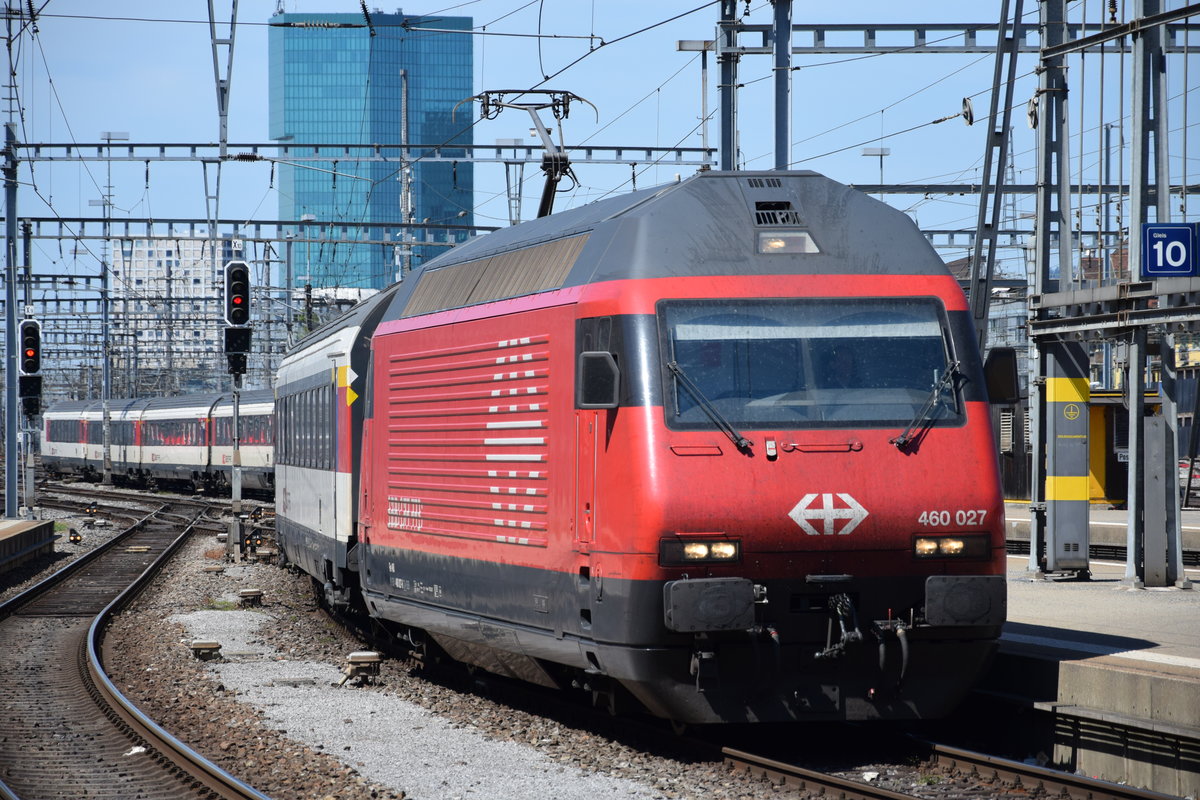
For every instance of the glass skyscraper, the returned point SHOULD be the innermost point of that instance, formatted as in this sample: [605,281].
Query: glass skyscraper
[333,81]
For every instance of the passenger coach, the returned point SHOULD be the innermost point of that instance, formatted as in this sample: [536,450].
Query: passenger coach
[184,440]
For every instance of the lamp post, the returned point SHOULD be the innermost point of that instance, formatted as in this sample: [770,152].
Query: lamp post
[105,373]
[305,219]
[880,153]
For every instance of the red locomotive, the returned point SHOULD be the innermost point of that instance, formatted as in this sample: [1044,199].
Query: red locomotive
[722,446]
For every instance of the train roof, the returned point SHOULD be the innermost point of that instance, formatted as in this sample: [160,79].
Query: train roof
[706,225]
[117,406]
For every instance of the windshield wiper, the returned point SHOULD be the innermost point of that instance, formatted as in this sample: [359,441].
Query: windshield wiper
[741,442]
[935,395]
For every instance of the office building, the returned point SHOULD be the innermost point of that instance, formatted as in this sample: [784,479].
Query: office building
[165,298]
[334,80]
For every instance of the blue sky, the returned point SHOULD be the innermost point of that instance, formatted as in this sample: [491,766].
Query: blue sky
[146,68]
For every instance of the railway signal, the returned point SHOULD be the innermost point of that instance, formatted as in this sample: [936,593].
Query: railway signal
[237,293]
[31,346]
[29,383]
[237,315]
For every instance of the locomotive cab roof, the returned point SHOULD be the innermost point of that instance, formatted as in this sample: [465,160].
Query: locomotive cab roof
[713,223]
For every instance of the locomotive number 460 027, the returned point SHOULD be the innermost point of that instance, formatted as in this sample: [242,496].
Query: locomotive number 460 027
[962,516]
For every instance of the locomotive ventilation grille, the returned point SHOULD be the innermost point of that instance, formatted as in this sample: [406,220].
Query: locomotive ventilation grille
[776,213]
[468,440]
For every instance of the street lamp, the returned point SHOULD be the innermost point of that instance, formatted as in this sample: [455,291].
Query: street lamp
[105,375]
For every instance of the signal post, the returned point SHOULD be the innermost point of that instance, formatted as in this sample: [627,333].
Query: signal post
[237,351]
[29,390]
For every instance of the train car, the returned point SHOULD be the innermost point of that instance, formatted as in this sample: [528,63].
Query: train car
[73,436]
[318,449]
[63,438]
[256,440]
[175,440]
[173,443]
[721,446]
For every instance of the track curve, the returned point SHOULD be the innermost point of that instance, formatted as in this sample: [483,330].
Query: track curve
[66,731]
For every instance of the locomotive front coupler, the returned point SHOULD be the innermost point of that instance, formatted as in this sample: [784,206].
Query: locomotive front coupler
[842,609]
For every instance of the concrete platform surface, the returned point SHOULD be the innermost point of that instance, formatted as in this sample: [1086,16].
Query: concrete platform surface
[1115,670]
[1103,617]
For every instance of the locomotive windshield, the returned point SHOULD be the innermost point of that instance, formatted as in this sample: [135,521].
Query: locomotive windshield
[801,363]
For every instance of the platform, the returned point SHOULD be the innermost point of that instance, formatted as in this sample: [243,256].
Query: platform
[1107,527]
[1113,671]
[21,540]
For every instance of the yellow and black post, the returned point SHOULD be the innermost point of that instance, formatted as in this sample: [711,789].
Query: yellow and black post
[1068,391]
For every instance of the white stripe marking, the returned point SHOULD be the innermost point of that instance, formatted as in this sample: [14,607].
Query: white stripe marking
[1103,650]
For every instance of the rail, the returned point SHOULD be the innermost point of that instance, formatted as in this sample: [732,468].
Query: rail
[131,724]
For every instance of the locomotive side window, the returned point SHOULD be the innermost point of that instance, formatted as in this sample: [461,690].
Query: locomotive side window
[803,363]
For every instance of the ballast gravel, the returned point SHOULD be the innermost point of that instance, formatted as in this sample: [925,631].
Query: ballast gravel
[270,710]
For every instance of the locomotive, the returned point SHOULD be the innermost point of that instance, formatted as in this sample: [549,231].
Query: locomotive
[721,447]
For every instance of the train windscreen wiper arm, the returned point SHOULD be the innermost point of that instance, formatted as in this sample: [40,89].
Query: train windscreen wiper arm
[741,442]
[908,434]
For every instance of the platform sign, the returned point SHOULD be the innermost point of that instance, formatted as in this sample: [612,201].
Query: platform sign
[1169,250]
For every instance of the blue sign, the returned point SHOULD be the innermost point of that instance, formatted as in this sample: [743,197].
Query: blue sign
[1169,250]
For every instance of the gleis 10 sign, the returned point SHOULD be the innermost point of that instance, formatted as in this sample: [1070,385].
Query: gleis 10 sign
[1169,250]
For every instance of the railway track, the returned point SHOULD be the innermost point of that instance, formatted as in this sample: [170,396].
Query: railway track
[975,775]
[67,731]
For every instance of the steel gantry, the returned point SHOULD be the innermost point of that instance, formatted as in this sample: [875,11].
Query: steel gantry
[1062,315]
[1139,314]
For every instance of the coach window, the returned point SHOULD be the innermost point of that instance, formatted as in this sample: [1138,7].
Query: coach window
[284,429]
[254,430]
[329,407]
[122,432]
[303,427]
[281,428]
[309,433]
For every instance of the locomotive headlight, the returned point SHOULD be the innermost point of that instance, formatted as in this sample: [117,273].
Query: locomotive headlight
[723,550]
[952,546]
[680,552]
[925,547]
